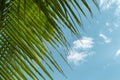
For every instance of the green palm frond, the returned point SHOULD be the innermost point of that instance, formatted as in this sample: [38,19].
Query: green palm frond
[28,27]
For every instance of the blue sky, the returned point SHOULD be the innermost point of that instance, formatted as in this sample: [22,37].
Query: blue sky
[97,56]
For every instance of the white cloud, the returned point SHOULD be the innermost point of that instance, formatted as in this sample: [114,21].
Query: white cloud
[117,56]
[85,43]
[76,56]
[117,11]
[102,2]
[110,30]
[107,23]
[106,39]
[118,2]
[118,53]
[106,4]
[116,25]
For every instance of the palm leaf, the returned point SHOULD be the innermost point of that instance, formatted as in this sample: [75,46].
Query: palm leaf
[27,27]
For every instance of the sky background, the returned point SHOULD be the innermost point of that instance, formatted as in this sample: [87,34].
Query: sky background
[98,56]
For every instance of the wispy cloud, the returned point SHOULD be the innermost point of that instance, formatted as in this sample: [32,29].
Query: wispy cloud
[116,25]
[118,52]
[85,43]
[117,2]
[106,39]
[117,11]
[107,23]
[76,56]
[117,56]
[106,4]
[110,30]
